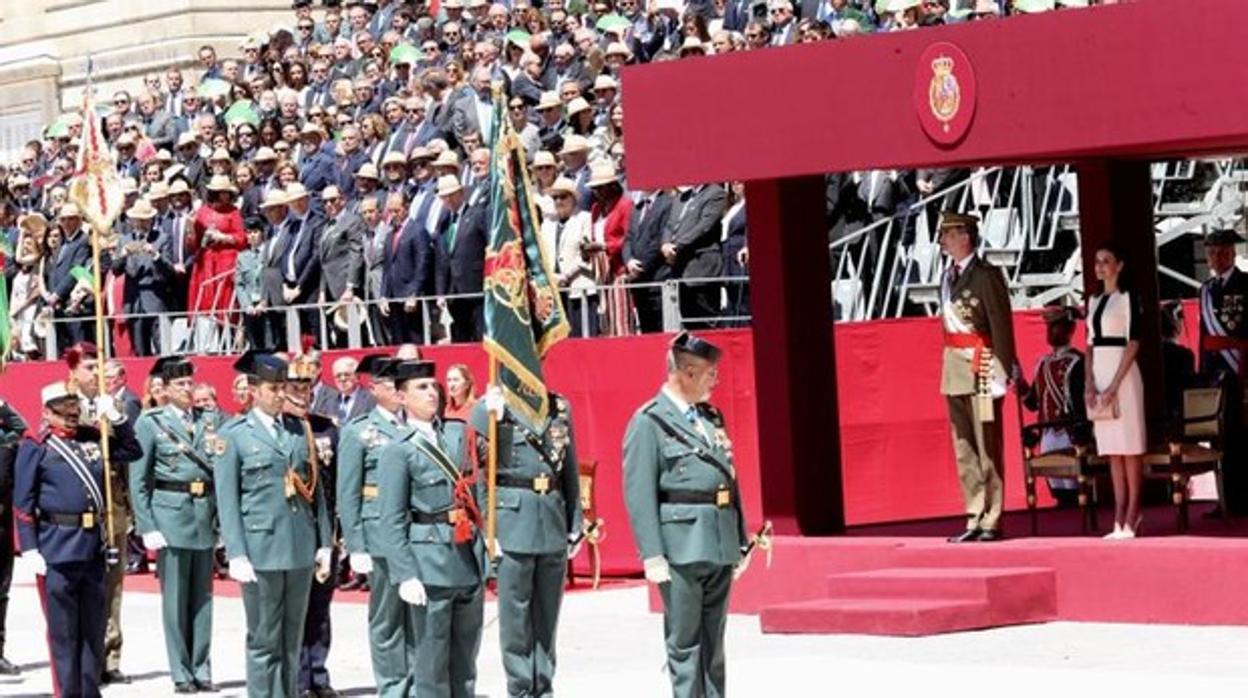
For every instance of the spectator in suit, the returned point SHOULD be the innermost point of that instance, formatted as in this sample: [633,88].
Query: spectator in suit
[71,299]
[736,256]
[575,156]
[146,272]
[407,268]
[474,112]
[568,237]
[349,400]
[461,238]
[691,248]
[550,124]
[127,163]
[194,169]
[371,211]
[341,252]
[296,253]
[643,261]
[316,163]
[158,124]
[177,228]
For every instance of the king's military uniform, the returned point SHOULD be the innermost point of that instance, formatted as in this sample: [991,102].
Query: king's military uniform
[539,516]
[430,528]
[60,505]
[684,507]
[977,361]
[392,642]
[1224,355]
[172,490]
[273,515]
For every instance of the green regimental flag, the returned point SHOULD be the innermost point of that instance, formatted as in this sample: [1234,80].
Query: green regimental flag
[6,336]
[524,316]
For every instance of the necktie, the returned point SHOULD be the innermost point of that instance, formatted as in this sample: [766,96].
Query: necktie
[559,235]
[394,239]
[954,272]
[344,406]
[451,232]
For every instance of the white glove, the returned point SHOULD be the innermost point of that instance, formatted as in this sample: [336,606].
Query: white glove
[495,403]
[361,563]
[323,558]
[106,407]
[241,570]
[574,544]
[657,571]
[413,592]
[36,562]
[742,565]
[154,541]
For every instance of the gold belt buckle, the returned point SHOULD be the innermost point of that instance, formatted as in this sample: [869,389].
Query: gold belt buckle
[197,488]
[88,519]
[723,497]
[541,484]
[456,515]
[369,492]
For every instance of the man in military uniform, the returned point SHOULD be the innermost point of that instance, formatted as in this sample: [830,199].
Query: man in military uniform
[174,509]
[59,502]
[276,540]
[539,525]
[322,436]
[430,530]
[1224,353]
[12,427]
[390,634]
[1056,396]
[82,361]
[978,363]
[684,507]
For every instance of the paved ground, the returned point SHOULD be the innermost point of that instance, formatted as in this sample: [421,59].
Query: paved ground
[610,646]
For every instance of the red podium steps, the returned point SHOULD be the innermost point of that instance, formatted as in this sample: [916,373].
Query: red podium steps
[914,601]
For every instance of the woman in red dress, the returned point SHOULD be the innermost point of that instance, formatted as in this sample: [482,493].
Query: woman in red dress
[215,243]
[610,213]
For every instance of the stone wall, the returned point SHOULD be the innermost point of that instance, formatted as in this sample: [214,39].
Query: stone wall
[44,45]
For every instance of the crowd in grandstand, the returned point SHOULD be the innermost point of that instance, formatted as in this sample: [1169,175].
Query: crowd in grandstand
[339,164]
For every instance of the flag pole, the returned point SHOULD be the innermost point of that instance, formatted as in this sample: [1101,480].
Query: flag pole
[491,475]
[111,552]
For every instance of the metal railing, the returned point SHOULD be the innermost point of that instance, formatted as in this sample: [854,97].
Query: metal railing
[221,330]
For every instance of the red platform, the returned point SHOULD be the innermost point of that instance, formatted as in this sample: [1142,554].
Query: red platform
[919,584]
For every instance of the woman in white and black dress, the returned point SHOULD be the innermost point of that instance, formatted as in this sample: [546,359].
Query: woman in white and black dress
[1115,390]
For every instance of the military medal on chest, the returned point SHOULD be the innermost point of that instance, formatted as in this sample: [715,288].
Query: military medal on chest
[1232,311]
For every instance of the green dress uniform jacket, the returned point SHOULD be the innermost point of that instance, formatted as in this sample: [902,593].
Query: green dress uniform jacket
[172,491]
[665,455]
[391,632]
[539,506]
[184,518]
[448,627]
[683,504]
[258,520]
[278,534]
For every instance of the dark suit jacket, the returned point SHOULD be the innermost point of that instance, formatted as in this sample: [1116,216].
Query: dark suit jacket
[735,243]
[162,129]
[341,252]
[407,270]
[307,264]
[645,237]
[73,253]
[461,269]
[694,227]
[317,171]
[147,288]
[463,117]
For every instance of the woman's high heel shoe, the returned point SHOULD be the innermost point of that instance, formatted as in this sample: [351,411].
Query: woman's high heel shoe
[1133,530]
[1114,534]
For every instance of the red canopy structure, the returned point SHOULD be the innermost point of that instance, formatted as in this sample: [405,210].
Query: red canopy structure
[1109,88]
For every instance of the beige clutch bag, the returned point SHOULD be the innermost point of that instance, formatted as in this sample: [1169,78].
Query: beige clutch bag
[1104,410]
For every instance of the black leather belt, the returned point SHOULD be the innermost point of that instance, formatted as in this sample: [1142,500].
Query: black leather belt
[196,488]
[87,519]
[1109,342]
[721,498]
[540,484]
[448,516]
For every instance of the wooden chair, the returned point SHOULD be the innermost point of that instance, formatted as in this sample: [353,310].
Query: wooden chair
[1194,447]
[1078,462]
[593,525]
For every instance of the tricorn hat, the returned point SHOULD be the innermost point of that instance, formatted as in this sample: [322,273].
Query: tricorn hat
[688,343]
